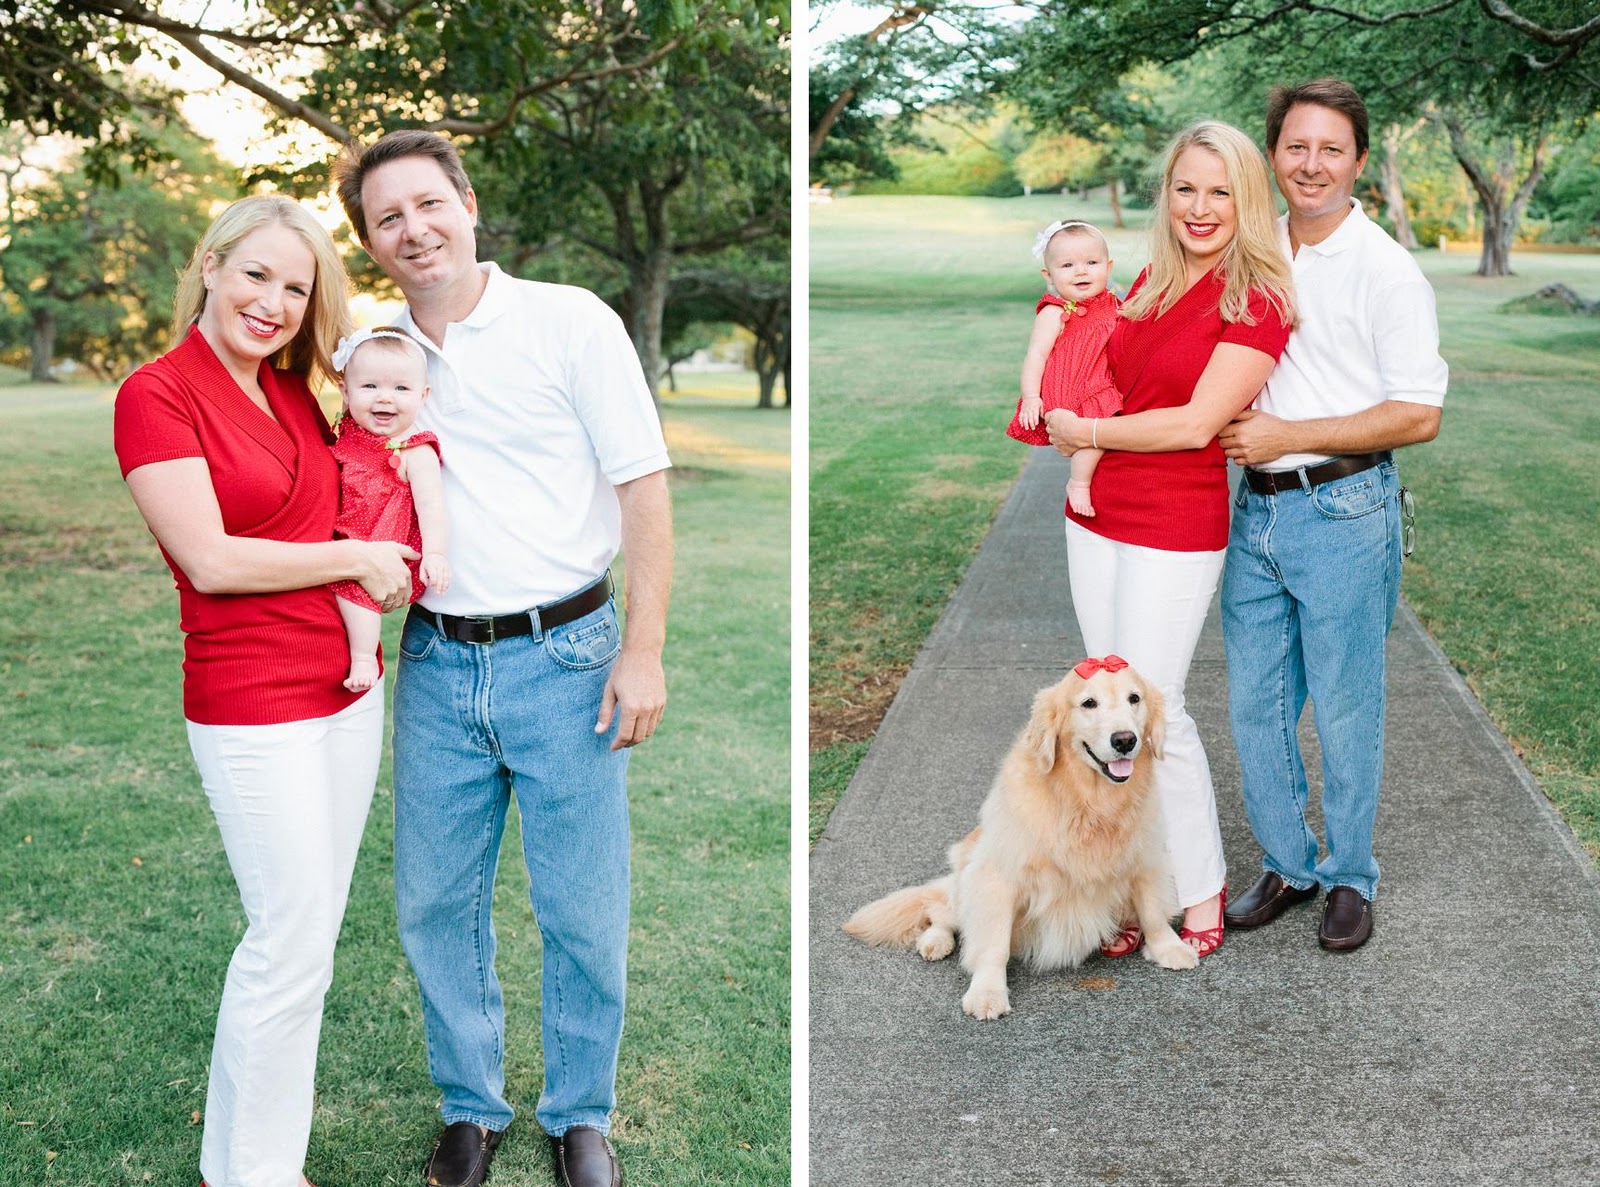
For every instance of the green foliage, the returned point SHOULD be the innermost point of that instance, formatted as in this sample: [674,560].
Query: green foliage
[1508,89]
[63,68]
[866,90]
[749,288]
[858,144]
[92,265]
[1059,161]
[641,131]
[1570,196]
[960,153]
[642,135]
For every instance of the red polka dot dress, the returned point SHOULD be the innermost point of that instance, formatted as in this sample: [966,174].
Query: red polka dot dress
[374,501]
[1077,376]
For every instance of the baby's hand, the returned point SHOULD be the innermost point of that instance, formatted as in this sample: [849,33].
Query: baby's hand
[435,571]
[1032,409]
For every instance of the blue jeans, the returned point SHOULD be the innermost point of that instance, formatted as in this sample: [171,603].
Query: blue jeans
[1308,595]
[473,724]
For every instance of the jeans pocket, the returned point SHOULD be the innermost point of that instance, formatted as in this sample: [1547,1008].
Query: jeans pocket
[590,642]
[417,640]
[1349,498]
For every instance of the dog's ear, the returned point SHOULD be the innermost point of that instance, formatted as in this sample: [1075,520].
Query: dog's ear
[1155,727]
[1043,731]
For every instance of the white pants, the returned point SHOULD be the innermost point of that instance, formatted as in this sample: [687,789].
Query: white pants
[1148,605]
[291,801]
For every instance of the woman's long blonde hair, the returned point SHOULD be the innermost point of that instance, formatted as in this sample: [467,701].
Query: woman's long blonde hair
[1253,260]
[310,352]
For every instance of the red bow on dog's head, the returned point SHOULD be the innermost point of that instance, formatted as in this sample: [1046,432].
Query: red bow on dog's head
[1111,663]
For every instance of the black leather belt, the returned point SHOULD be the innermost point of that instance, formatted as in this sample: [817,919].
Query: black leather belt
[1265,482]
[509,626]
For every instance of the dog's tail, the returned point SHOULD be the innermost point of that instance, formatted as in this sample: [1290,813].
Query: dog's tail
[896,920]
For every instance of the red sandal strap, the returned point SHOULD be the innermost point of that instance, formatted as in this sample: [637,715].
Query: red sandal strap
[1126,943]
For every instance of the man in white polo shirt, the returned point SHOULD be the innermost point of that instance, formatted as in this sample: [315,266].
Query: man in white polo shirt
[1314,549]
[517,679]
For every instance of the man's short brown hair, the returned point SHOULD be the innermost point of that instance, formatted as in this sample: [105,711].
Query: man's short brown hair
[355,162]
[1334,93]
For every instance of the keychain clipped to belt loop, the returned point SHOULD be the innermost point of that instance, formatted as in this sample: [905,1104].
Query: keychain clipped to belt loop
[1408,522]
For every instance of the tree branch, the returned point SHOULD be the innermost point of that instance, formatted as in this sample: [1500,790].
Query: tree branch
[464,127]
[902,16]
[1499,10]
[130,12]
[290,107]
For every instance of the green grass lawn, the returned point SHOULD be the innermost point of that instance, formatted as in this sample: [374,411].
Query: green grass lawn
[119,913]
[920,310]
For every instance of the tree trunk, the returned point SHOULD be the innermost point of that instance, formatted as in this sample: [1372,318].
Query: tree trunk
[1394,194]
[1113,192]
[765,358]
[653,278]
[649,268]
[1498,228]
[1501,205]
[772,351]
[42,347]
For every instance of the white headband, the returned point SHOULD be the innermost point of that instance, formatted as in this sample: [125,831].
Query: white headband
[347,346]
[1049,233]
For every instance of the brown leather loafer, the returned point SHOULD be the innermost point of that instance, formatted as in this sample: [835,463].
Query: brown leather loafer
[585,1159]
[1270,897]
[461,1156]
[1346,920]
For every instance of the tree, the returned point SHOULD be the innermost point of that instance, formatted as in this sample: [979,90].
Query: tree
[648,129]
[1126,118]
[919,55]
[750,291]
[1570,199]
[858,141]
[1505,71]
[93,266]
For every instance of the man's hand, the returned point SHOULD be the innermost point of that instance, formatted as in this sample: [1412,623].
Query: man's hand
[1255,437]
[636,694]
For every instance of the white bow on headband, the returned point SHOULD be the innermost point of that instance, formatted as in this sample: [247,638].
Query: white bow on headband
[1049,233]
[347,346]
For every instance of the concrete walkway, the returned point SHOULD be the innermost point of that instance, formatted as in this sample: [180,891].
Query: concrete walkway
[1460,1047]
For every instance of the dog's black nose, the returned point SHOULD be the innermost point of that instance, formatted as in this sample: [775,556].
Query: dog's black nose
[1123,741]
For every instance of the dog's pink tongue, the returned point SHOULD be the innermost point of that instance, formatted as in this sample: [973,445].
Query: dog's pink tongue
[1120,767]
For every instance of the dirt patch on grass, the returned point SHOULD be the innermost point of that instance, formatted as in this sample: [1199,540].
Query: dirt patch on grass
[853,715]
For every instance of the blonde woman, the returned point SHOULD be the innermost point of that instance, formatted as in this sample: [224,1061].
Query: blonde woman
[1201,329]
[226,454]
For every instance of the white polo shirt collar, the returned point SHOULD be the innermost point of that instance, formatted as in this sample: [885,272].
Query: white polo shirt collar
[1345,236]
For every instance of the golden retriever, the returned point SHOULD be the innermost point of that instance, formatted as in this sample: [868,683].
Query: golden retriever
[1068,847]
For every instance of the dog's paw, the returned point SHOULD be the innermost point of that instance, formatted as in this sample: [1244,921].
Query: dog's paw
[936,943]
[986,1002]
[1171,953]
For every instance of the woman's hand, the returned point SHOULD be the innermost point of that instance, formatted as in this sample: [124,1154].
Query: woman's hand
[1068,431]
[384,573]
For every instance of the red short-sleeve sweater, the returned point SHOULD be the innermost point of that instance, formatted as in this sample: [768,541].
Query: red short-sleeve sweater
[1176,501]
[248,659]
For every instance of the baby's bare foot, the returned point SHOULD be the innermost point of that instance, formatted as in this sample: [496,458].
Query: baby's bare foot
[363,674]
[1078,497]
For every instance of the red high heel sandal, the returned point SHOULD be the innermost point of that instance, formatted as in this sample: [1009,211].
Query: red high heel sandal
[1207,939]
[1126,943]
